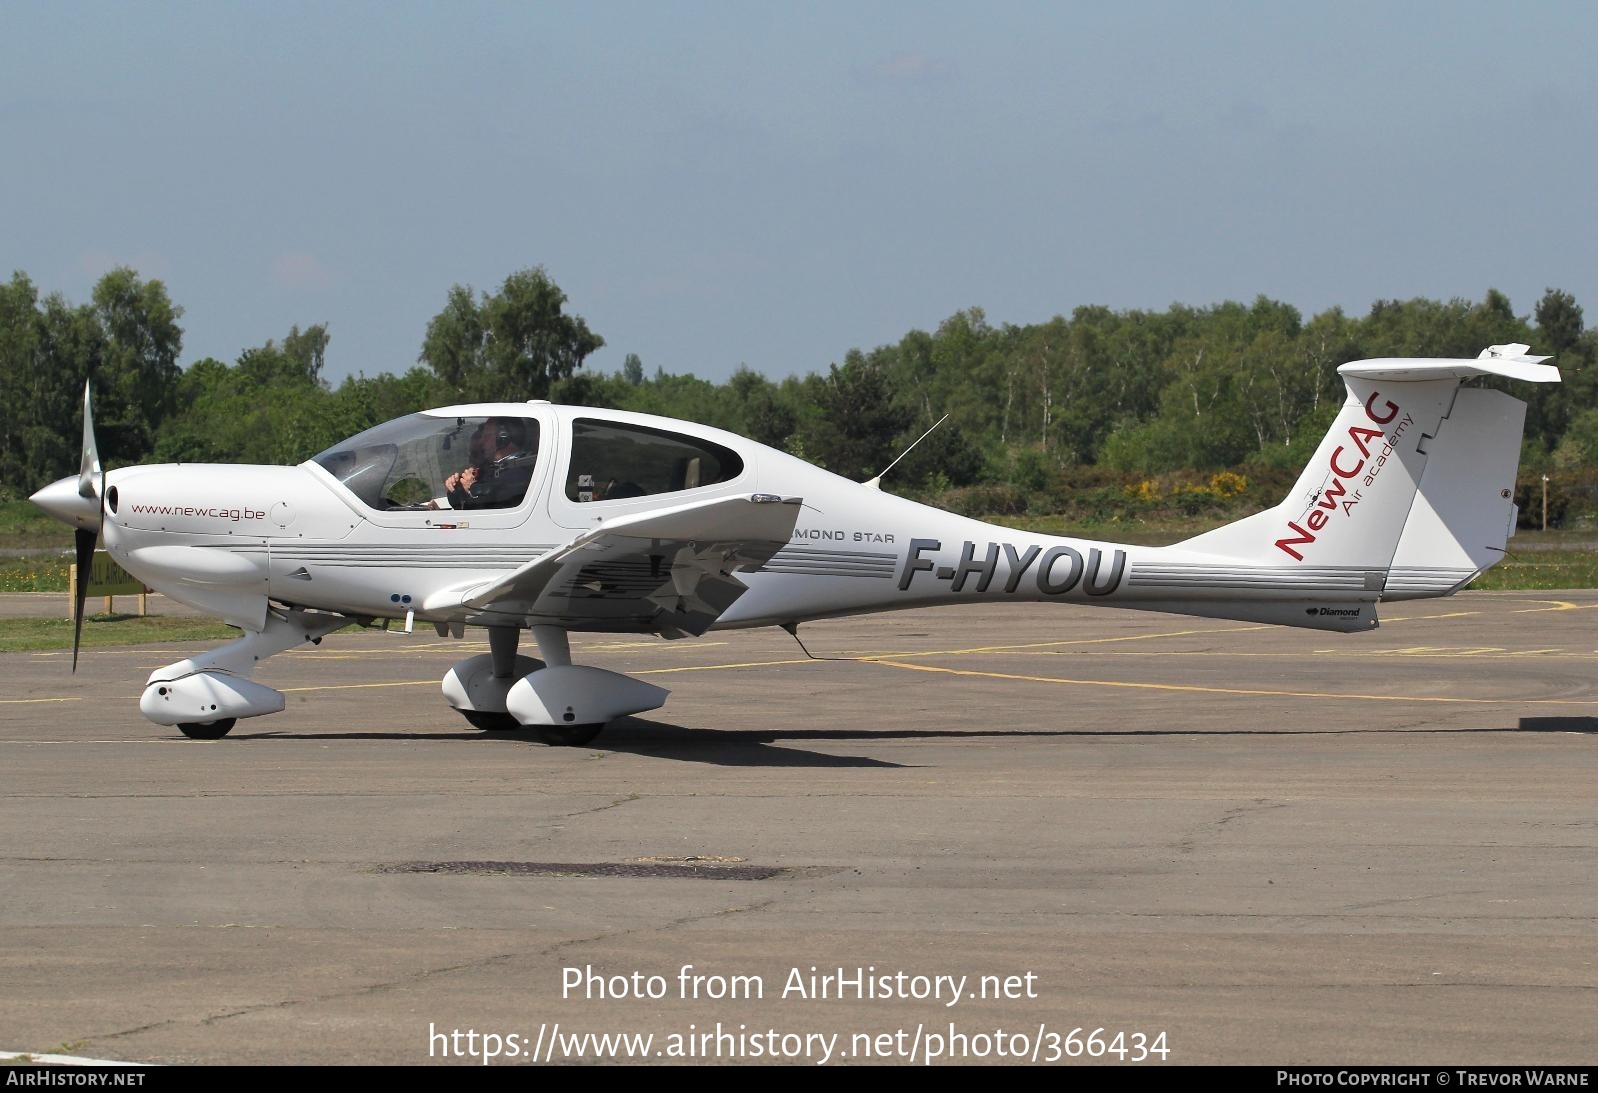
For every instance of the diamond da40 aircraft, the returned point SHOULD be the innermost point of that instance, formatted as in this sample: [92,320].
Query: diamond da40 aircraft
[544,518]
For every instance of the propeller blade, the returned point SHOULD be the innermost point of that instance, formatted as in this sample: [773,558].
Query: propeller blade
[84,540]
[91,484]
[89,474]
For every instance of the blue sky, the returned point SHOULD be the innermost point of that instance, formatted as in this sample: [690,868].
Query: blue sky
[775,184]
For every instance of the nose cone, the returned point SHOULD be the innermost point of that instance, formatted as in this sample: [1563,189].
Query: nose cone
[62,500]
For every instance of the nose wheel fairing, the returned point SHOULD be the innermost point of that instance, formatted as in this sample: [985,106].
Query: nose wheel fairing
[215,686]
[205,697]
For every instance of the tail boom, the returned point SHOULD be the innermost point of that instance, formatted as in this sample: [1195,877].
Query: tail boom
[1409,494]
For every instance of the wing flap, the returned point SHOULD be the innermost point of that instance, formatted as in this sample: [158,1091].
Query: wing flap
[670,570]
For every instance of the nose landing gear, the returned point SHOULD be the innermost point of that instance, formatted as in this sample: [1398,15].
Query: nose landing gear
[204,696]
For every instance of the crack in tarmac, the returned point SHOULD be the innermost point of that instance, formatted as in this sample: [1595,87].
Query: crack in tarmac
[617,803]
[1189,844]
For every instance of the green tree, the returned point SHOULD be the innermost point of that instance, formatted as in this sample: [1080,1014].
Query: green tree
[307,349]
[454,345]
[1559,323]
[271,406]
[857,422]
[762,412]
[510,345]
[948,456]
[22,375]
[137,371]
[361,401]
[126,340]
[632,369]
[589,389]
[1552,409]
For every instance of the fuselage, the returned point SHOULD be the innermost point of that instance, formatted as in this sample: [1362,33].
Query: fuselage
[554,518]
[370,536]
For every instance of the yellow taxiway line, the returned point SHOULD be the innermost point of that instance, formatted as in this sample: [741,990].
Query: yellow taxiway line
[1232,690]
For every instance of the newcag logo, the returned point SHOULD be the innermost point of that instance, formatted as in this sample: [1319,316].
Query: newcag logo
[1350,462]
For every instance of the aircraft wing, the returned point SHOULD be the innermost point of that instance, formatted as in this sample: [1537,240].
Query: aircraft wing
[670,569]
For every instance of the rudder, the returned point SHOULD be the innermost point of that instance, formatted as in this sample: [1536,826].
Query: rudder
[1464,511]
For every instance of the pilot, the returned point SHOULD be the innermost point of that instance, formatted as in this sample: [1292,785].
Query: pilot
[500,469]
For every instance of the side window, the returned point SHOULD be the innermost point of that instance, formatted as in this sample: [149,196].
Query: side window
[611,461]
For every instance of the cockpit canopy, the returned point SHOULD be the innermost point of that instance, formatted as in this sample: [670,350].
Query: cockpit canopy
[428,462]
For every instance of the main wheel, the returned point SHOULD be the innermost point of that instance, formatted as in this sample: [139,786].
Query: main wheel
[567,736]
[208,730]
[489,721]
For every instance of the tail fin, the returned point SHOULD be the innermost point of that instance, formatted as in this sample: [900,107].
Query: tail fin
[1412,485]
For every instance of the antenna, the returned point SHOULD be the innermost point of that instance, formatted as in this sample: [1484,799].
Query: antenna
[876,483]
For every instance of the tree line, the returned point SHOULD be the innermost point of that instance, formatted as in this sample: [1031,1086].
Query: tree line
[1097,396]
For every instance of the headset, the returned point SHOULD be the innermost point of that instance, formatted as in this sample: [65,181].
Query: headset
[508,431]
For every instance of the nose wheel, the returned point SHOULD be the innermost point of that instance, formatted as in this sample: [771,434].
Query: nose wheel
[207,730]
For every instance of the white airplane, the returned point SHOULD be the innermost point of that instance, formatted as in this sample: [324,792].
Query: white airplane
[532,516]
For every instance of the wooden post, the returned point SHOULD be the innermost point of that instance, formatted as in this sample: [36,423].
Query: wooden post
[108,580]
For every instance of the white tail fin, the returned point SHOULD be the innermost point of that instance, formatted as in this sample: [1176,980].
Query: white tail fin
[1412,486]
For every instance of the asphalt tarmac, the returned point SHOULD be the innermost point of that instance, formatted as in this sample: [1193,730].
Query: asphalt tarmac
[1234,843]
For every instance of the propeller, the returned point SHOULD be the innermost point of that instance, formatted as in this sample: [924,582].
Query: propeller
[91,487]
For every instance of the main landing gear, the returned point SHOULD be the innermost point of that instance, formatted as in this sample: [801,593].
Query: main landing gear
[558,736]
[566,704]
